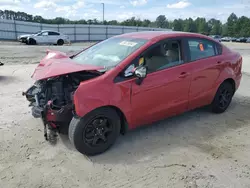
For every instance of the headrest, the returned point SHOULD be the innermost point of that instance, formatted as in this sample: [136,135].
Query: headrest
[175,46]
[157,51]
[202,46]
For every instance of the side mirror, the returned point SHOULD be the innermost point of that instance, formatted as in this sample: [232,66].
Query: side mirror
[141,72]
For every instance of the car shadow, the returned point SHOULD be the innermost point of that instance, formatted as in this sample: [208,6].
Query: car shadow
[195,128]
[7,79]
[65,140]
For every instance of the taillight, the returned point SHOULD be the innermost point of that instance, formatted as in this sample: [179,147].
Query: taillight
[240,63]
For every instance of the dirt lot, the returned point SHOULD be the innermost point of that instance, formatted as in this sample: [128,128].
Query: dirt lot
[196,149]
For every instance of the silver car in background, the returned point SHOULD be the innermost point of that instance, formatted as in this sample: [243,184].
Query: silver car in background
[216,37]
[44,37]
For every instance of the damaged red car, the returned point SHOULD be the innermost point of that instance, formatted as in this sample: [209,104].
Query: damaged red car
[130,80]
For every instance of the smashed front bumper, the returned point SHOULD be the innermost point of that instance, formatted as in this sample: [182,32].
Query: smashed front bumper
[55,120]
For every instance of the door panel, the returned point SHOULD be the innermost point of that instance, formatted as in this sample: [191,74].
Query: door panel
[53,37]
[205,73]
[43,38]
[162,94]
[204,76]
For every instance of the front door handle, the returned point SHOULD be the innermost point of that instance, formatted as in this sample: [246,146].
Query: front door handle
[184,74]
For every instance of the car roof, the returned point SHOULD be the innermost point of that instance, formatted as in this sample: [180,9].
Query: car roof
[50,31]
[152,35]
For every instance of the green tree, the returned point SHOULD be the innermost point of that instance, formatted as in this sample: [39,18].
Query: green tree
[242,27]
[215,27]
[202,25]
[178,25]
[231,24]
[190,26]
[224,30]
[146,23]
[162,22]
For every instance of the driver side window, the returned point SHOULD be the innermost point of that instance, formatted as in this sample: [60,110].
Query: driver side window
[164,55]
[45,34]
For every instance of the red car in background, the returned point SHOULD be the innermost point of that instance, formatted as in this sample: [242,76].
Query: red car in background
[131,80]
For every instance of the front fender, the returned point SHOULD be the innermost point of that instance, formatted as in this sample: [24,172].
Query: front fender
[90,95]
[96,93]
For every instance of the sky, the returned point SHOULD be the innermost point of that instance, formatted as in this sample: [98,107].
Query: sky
[124,9]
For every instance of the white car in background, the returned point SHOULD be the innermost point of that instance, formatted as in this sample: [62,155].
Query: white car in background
[45,37]
[216,37]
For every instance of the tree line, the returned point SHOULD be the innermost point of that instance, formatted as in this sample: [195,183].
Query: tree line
[234,27]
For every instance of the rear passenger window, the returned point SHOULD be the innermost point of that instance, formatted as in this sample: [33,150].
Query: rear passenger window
[200,49]
[53,33]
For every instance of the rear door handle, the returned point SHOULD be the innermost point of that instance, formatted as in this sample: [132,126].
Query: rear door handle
[219,62]
[184,74]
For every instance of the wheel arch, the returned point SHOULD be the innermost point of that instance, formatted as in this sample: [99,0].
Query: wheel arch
[60,39]
[231,81]
[124,122]
[123,118]
[32,38]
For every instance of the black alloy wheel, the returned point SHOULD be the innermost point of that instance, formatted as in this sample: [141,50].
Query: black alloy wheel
[96,132]
[223,97]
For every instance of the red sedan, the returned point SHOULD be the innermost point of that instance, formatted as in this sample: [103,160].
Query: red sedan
[131,80]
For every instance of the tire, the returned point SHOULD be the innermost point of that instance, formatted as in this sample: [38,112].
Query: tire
[224,93]
[32,41]
[60,42]
[80,129]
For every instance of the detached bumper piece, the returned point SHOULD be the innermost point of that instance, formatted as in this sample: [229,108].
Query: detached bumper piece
[37,112]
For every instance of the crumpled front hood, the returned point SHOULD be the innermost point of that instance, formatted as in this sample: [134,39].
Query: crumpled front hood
[25,36]
[57,63]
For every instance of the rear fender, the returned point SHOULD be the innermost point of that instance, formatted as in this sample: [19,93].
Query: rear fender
[224,75]
[227,73]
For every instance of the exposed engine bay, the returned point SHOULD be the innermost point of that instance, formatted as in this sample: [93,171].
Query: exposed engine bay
[52,100]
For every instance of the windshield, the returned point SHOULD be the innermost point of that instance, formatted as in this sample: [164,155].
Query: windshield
[109,53]
[37,33]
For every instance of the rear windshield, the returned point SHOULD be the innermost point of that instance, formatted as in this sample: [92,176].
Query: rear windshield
[109,53]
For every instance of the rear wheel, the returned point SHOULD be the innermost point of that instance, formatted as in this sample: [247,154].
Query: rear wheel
[96,132]
[223,98]
[60,42]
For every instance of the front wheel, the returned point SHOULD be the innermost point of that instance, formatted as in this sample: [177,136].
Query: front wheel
[96,132]
[32,41]
[222,98]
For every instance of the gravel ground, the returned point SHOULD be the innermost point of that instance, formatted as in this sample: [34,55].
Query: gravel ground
[196,149]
